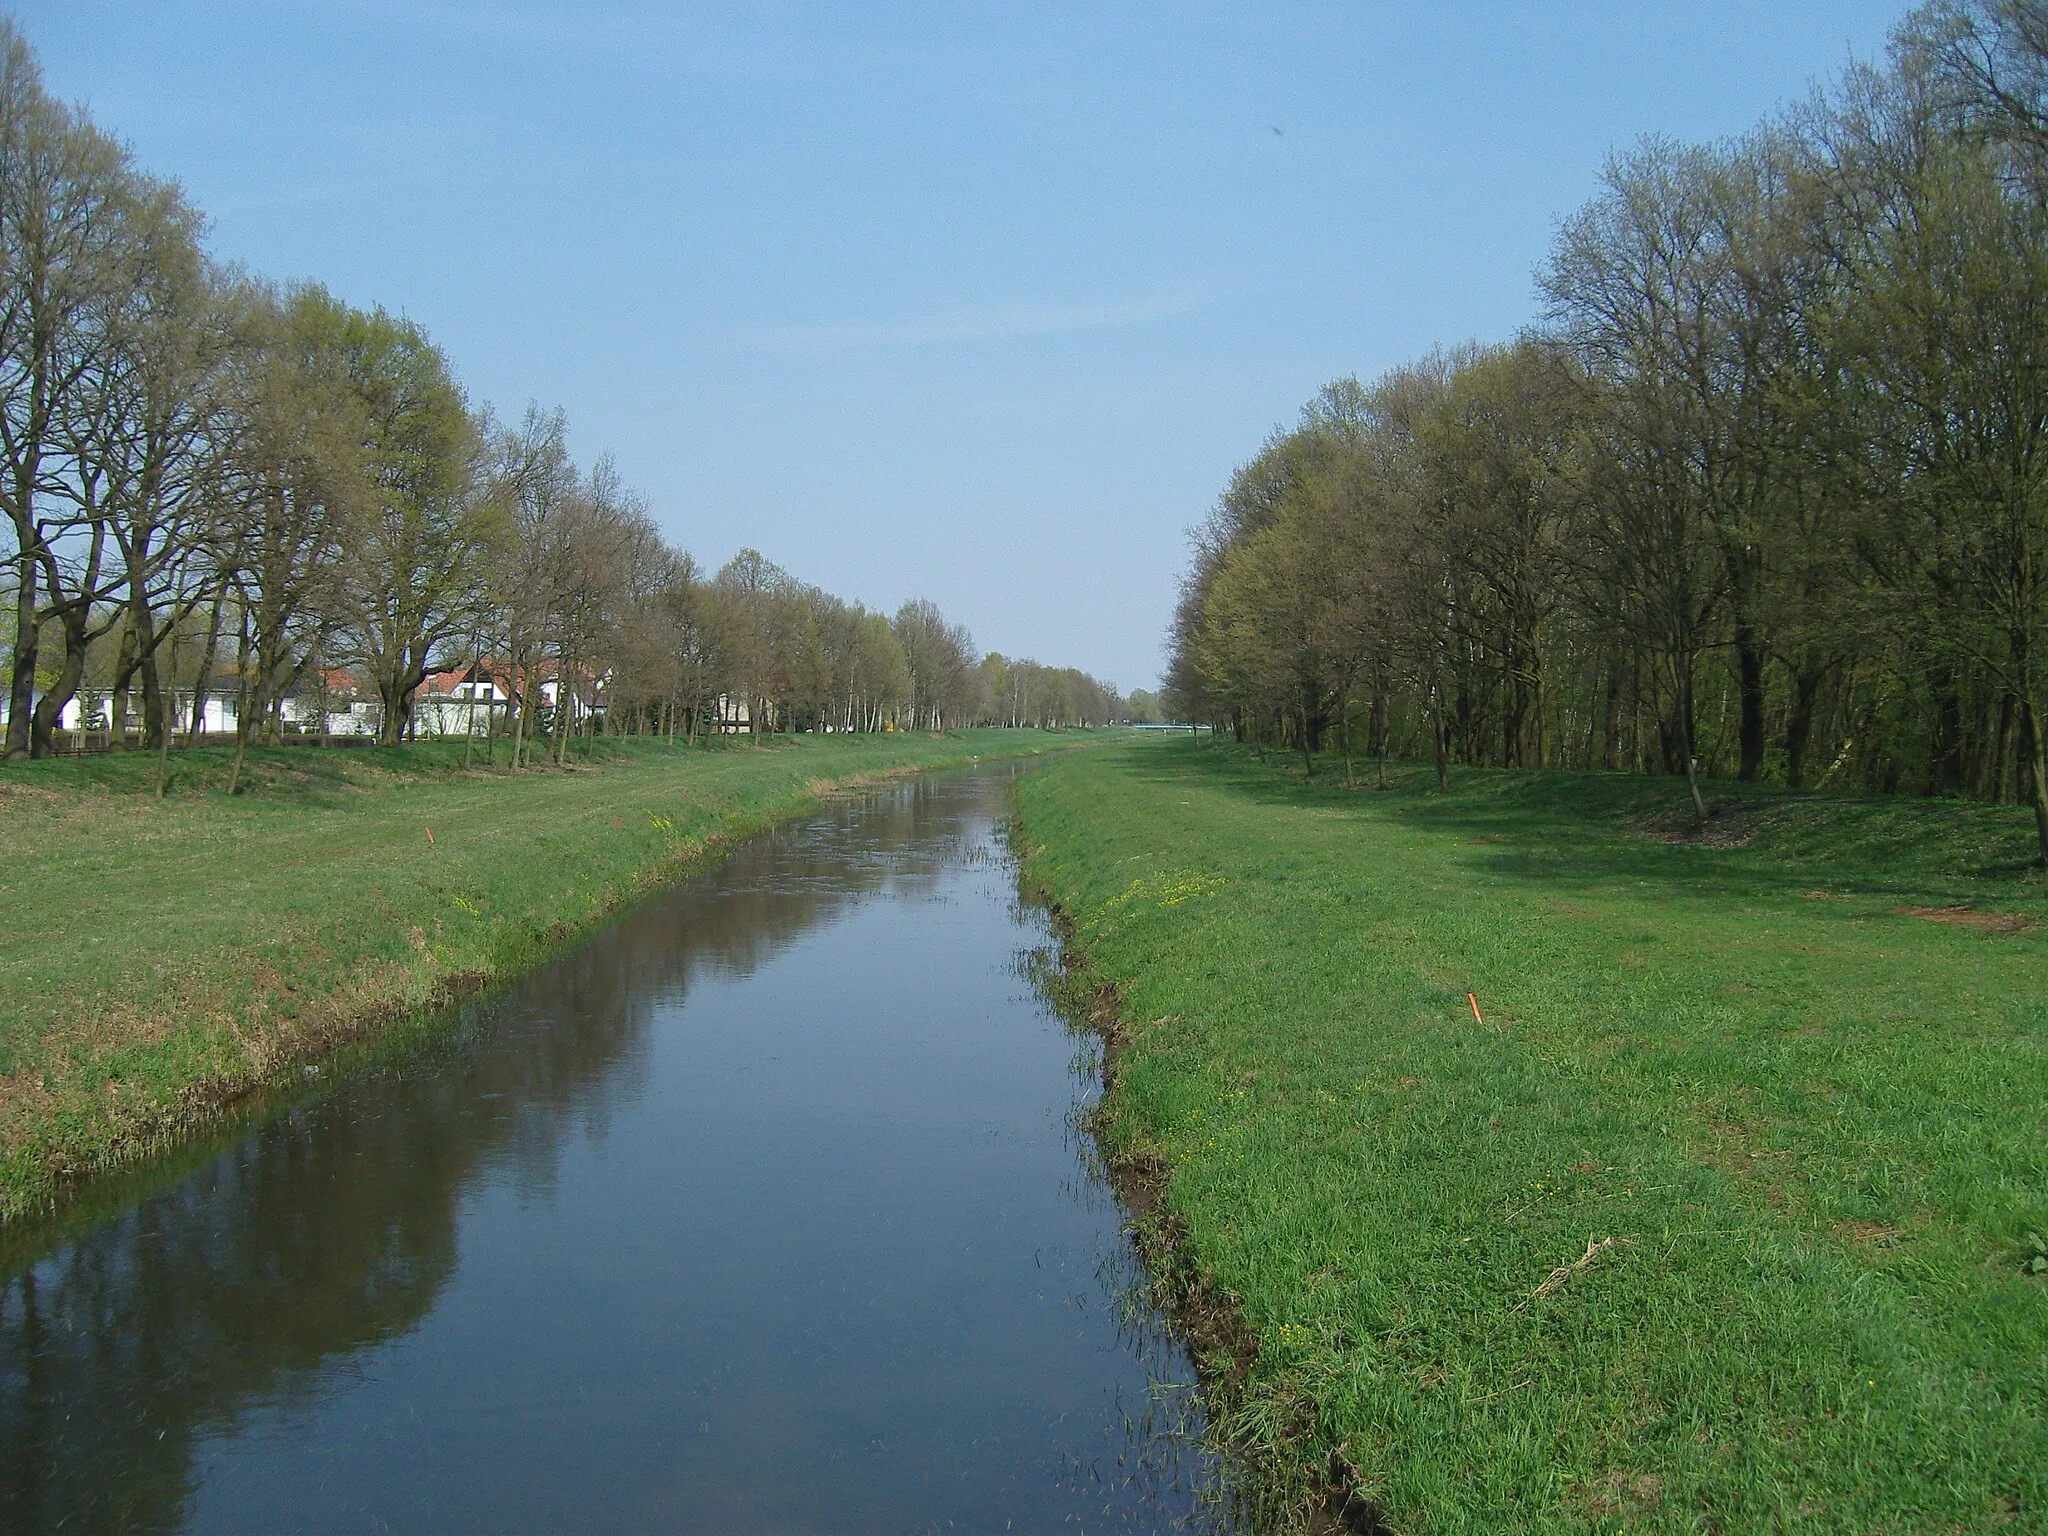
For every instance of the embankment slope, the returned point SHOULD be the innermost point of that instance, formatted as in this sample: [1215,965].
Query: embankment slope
[160,959]
[1717,1218]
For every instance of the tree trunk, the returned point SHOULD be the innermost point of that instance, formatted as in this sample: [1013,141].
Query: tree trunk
[519,706]
[1692,783]
[1440,740]
[154,712]
[2037,772]
[1749,672]
[2001,755]
[320,700]
[391,694]
[561,721]
[117,703]
[21,691]
[163,739]
[1681,687]
[241,704]
[43,721]
[1610,725]
[1514,716]
[1799,722]
[1944,751]
[206,660]
[141,642]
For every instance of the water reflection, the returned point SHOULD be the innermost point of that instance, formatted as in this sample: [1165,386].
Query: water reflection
[761,1210]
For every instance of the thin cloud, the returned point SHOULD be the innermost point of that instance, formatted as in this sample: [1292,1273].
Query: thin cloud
[1008,322]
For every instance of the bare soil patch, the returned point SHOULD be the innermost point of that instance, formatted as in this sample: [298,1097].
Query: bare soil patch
[1866,1234]
[1969,917]
[1624,1494]
[1727,826]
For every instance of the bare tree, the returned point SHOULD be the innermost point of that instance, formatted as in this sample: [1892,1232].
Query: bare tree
[939,658]
[422,541]
[65,246]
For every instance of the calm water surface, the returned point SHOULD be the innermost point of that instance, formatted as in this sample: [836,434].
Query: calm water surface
[763,1211]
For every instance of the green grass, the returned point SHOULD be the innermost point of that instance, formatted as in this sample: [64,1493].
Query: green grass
[1813,1124]
[160,959]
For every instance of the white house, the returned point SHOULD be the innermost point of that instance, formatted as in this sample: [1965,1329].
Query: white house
[88,709]
[458,703]
[732,714]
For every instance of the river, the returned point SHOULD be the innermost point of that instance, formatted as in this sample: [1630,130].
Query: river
[764,1210]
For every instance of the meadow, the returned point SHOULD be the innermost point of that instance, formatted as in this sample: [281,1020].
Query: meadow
[1564,1170]
[163,959]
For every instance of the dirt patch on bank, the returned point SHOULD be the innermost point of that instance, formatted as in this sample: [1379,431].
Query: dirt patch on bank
[1727,826]
[1967,917]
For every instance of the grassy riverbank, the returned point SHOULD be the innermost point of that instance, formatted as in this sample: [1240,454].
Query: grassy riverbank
[1717,1221]
[160,958]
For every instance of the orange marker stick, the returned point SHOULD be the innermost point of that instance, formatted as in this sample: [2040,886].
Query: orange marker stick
[1474,1001]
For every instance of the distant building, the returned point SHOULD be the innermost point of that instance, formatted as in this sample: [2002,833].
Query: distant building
[461,702]
[89,708]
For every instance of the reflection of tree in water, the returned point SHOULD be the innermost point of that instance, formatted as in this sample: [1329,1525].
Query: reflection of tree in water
[333,1228]
[780,885]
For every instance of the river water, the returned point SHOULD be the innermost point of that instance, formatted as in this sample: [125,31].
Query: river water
[762,1211]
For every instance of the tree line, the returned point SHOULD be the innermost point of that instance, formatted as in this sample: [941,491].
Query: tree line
[221,485]
[1763,496]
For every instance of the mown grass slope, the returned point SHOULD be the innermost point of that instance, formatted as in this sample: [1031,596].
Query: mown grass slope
[1717,1222]
[160,957]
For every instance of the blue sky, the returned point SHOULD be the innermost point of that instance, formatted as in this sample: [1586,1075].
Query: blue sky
[979,303]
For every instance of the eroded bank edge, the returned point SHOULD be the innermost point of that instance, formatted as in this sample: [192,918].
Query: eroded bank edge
[1259,1426]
